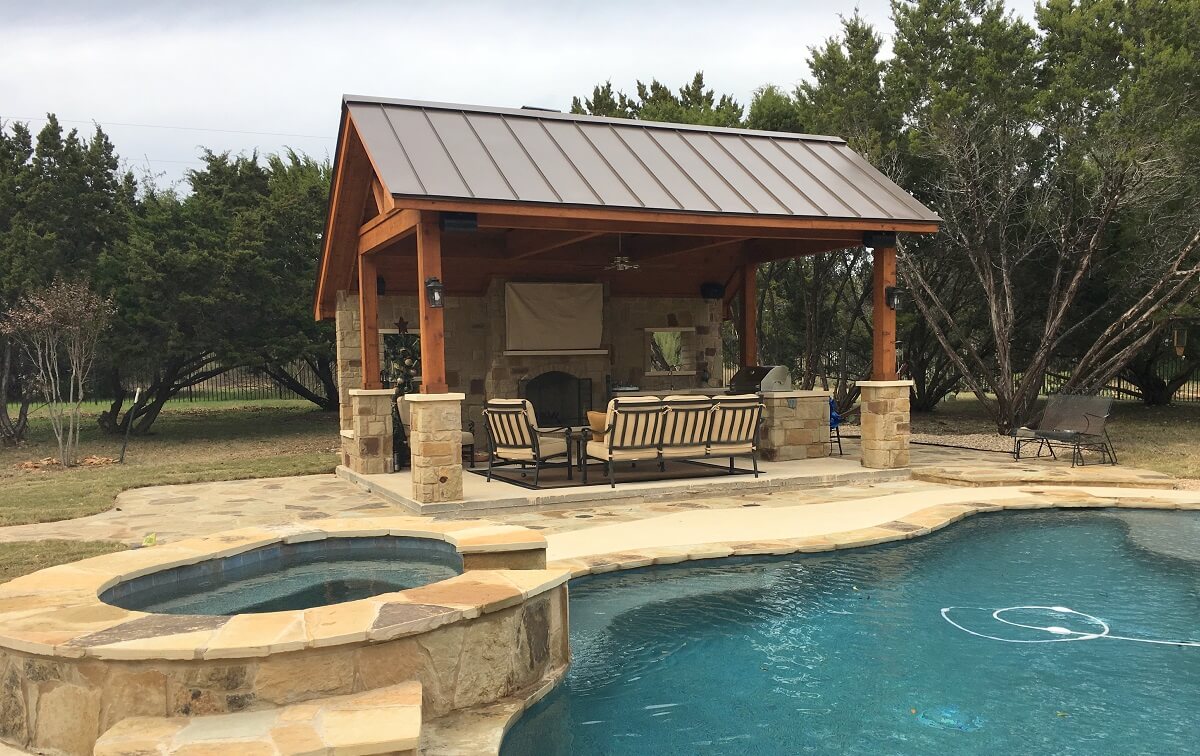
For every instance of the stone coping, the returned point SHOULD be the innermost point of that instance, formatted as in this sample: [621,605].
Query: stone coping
[912,525]
[434,397]
[884,384]
[384,720]
[57,611]
[371,392]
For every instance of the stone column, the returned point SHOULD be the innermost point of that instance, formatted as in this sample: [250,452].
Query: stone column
[367,445]
[885,426]
[795,425]
[435,437]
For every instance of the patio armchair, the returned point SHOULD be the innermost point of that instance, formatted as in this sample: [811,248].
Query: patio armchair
[1076,422]
[515,438]
[632,433]
[734,428]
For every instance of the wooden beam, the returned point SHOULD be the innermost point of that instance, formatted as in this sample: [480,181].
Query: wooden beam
[748,333]
[655,249]
[386,229]
[883,318]
[523,243]
[432,324]
[368,322]
[383,200]
[351,186]
[732,287]
[573,217]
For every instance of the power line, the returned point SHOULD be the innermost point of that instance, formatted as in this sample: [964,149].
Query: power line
[178,128]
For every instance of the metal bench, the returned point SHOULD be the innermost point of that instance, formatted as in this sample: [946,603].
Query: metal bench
[1070,421]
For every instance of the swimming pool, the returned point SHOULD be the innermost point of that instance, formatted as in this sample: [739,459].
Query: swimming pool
[289,576]
[1034,632]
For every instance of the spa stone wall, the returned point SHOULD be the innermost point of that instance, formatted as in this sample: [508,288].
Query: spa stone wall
[64,705]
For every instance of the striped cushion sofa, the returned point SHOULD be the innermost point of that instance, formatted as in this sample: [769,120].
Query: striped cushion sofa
[650,429]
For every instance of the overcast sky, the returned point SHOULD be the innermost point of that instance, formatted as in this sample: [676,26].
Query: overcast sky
[164,78]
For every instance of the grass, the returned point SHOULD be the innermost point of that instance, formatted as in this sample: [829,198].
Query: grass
[1163,439]
[23,557]
[189,443]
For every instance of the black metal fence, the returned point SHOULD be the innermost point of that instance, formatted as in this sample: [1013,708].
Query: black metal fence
[239,383]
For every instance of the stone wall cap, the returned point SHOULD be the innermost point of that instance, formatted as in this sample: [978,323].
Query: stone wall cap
[371,392]
[58,611]
[797,394]
[347,434]
[434,397]
[884,384]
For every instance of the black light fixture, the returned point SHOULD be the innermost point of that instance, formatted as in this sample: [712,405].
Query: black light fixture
[435,293]
[380,286]
[459,221]
[1179,337]
[877,239]
[893,295]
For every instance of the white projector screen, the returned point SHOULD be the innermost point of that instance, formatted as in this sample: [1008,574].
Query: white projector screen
[551,316]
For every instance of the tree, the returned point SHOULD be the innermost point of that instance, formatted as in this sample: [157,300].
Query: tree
[1036,166]
[62,204]
[58,330]
[293,224]
[692,103]
[188,286]
[814,309]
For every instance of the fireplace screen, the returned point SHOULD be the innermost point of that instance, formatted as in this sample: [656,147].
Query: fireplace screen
[558,398]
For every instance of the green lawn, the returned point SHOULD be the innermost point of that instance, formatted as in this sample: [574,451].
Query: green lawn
[21,558]
[190,442]
[1165,439]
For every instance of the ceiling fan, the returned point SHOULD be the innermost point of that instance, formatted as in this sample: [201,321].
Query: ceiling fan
[620,261]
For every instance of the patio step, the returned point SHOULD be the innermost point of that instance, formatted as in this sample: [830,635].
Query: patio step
[382,721]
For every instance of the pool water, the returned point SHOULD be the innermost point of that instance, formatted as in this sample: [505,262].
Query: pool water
[896,649]
[292,576]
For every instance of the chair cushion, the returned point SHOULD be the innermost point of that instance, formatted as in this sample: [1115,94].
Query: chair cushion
[719,450]
[689,451]
[468,438]
[599,450]
[549,447]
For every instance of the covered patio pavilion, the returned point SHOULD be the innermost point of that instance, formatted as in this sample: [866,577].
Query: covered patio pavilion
[436,207]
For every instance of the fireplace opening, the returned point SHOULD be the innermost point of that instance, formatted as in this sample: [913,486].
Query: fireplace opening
[558,398]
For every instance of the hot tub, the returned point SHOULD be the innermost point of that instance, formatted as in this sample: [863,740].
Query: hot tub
[265,617]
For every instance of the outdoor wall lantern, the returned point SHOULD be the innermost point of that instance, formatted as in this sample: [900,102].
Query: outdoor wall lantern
[893,296]
[1179,337]
[434,293]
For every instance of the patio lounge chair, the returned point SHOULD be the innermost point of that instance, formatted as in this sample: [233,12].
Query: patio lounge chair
[1072,421]
[515,438]
[633,433]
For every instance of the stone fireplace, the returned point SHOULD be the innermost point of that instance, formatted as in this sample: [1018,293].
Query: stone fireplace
[558,397]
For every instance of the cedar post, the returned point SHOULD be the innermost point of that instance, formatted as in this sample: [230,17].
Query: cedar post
[368,321]
[883,318]
[748,331]
[432,324]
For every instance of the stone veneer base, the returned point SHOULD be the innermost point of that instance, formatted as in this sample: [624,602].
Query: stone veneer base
[391,489]
[72,666]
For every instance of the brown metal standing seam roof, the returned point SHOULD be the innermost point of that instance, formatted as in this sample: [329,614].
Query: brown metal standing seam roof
[444,151]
